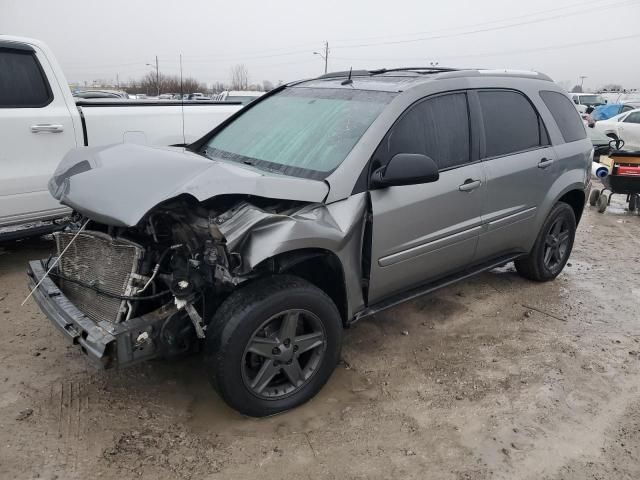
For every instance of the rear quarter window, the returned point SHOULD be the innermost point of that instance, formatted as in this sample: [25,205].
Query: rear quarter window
[565,114]
[22,81]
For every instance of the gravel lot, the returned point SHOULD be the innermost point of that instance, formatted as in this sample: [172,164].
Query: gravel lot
[495,377]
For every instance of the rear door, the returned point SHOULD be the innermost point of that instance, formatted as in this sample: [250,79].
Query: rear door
[37,131]
[520,166]
[422,232]
[629,129]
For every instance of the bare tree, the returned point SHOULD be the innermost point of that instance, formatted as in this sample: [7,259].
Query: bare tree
[576,89]
[239,77]
[168,84]
[218,87]
[267,85]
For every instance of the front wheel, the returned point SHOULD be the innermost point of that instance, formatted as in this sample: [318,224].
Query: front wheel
[272,345]
[552,248]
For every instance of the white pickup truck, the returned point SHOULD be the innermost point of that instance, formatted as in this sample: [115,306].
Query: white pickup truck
[40,121]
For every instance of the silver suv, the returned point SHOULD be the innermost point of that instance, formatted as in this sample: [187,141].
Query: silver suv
[321,203]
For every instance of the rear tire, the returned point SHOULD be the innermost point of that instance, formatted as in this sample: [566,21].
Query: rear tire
[282,326]
[552,248]
[602,203]
[593,197]
[633,203]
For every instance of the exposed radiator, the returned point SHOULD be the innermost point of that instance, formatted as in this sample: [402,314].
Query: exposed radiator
[98,259]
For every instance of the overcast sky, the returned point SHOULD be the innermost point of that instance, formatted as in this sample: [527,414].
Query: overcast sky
[276,40]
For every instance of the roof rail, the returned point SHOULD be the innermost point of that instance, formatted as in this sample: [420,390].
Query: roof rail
[345,73]
[414,69]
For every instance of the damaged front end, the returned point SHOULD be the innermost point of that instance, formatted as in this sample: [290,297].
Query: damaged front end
[128,294]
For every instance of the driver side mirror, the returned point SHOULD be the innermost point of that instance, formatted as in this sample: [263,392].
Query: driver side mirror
[406,169]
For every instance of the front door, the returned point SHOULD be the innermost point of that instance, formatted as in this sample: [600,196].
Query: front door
[423,232]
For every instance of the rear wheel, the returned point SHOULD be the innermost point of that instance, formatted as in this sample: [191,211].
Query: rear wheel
[552,248]
[593,197]
[272,345]
[602,203]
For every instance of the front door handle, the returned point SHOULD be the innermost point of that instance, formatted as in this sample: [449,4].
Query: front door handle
[545,162]
[469,185]
[47,128]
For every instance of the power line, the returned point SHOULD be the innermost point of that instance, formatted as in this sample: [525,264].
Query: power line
[490,22]
[501,53]
[488,29]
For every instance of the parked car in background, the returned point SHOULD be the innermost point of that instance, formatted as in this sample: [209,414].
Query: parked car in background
[321,203]
[100,94]
[604,112]
[242,96]
[584,100]
[40,121]
[625,126]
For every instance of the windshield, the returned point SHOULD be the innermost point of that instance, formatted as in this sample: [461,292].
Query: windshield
[591,100]
[244,99]
[303,132]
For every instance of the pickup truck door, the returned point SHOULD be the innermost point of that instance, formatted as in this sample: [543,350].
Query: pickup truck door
[36,129]
[422,232]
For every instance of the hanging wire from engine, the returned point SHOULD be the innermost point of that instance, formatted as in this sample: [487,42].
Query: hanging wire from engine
[56,262]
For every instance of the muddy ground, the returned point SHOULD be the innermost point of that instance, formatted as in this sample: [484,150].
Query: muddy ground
[495,377]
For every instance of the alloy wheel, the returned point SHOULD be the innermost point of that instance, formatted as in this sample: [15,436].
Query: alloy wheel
[283,354]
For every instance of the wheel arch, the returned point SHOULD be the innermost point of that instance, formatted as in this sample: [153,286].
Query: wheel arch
[576,199]
[320,267]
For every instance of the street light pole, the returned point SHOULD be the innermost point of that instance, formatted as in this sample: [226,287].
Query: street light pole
[582,77]
[157,74]
[325,57]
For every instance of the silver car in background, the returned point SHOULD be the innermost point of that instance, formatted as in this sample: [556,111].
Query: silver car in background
[318,204]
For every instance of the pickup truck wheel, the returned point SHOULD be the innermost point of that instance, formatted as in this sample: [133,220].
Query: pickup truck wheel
[272,345]
[552,248]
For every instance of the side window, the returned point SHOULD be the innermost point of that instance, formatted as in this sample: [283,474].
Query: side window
[22,82]
[437,127]
[626,108]
[565,115]
[511,124]
[633,118]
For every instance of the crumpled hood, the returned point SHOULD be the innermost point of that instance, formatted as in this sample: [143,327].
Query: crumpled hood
[118,184]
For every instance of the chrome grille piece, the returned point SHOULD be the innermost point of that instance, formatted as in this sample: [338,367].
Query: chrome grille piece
[97,259]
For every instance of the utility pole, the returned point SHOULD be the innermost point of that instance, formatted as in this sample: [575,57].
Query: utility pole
[325,57]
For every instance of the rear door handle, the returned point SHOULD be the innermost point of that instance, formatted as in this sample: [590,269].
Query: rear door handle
[545,162]
[47,128]
[469,185]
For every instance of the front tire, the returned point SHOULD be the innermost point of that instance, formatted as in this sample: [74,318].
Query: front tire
[553,246]
[272,345]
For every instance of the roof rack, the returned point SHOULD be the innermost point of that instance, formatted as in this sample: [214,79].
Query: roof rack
[379,71]
[421,70]
[345,73]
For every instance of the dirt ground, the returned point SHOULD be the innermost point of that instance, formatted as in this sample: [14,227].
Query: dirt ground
[495,377]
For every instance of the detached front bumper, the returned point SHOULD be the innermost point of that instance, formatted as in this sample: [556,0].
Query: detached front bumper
[105,344]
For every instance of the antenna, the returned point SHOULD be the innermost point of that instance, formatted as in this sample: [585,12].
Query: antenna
[184,140]
[348,80]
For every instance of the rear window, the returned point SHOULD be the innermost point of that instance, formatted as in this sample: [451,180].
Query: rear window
[511,124]
[565,115]
[22,83]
